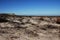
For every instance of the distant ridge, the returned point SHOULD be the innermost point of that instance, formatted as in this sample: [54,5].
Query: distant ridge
[13,14]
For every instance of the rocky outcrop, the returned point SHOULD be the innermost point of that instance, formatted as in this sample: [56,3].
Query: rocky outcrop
[14,27]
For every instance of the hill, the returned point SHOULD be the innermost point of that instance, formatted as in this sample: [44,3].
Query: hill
[17,27]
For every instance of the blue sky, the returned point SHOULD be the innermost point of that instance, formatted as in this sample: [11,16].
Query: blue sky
[31,7]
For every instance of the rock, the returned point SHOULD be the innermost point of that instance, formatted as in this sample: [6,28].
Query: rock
[58,20]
